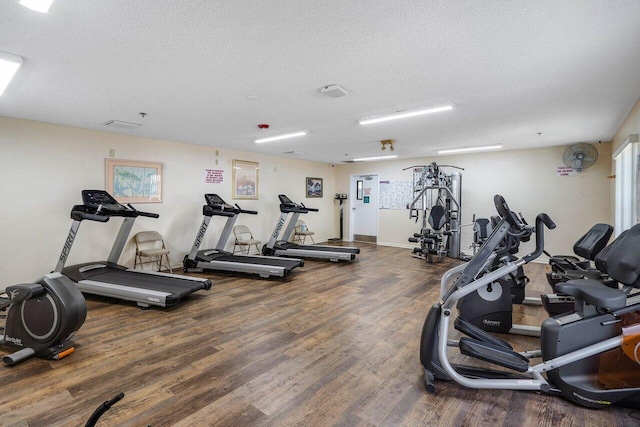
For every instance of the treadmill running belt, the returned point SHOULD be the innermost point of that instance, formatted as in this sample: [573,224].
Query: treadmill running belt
[289,245]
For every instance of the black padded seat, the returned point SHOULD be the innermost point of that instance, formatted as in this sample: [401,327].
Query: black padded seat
[594,292]
[622,260]
[438,217]
[595,240]
[588,247]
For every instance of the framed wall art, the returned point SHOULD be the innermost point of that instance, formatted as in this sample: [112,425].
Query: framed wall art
[245,179]
[130,181]
[314,187]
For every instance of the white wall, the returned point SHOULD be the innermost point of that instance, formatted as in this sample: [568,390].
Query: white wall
[44,167]
[526,178]
[631,125]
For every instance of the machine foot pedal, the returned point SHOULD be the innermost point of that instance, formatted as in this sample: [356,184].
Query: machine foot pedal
[498,355]
[477,333]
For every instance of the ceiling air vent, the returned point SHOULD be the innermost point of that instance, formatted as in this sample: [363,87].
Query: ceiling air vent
[121,125]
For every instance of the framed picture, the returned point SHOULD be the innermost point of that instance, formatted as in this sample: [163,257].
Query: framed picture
[314,187]
[130,181]
[245,179]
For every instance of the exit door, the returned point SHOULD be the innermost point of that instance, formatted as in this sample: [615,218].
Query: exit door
[364,208]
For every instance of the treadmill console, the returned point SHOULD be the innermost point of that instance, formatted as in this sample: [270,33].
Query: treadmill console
[286,201]
[216,202]
[288,206]
[100,199]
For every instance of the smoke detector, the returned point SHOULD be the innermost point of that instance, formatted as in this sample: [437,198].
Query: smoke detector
[334,91]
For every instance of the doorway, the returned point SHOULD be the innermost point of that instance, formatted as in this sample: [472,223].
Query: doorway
[363,221]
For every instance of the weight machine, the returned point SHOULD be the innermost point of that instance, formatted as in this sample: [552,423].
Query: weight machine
[438,193]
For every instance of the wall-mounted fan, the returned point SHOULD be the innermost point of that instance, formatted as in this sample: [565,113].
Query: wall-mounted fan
[580,156]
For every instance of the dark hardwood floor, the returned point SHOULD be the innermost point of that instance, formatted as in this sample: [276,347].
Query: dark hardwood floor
[332,345]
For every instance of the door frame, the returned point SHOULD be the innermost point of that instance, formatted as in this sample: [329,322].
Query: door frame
[353,178]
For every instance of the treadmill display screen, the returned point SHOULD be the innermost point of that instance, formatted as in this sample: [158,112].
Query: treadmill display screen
[95,198]
[214,200]
[285,200]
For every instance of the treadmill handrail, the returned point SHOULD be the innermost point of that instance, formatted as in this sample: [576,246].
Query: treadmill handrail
[102,213]
[288,206]
[289,209]
[240,210]
[141,213]
[208,210]
[78,215]
[99,202]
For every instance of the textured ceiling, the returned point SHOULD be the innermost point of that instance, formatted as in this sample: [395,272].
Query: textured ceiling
[208,72]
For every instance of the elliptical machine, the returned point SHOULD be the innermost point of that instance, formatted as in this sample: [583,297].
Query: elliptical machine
[580,350]
[491,307]
[41,318]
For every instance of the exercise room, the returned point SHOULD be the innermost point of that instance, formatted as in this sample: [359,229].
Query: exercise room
[338,213]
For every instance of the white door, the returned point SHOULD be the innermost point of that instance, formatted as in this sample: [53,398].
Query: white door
[364,208]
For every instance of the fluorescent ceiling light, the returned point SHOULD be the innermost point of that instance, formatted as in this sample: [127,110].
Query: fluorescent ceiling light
[405,113]
[122,125]
[37,5]
[9,64]
[371,159]
[470,149]
[283,136]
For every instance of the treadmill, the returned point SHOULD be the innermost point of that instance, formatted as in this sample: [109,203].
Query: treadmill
[218,259]
[286,248]
[107,278]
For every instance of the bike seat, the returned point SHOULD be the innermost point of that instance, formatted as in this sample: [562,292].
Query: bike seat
[594,293]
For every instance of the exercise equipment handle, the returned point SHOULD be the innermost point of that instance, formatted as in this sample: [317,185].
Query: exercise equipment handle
[503,210]
[78,215]
[240,210]
[541,220]
[309,209]
[104,407]
[141,213]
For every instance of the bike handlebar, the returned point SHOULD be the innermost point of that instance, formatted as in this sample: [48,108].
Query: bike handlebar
[541,220]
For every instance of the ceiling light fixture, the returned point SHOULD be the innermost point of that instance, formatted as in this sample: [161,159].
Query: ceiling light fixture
[388,142]
[371,159]
[470,149]
[37,5]
[405,113]
[279,137]
[9,64]
[122,125]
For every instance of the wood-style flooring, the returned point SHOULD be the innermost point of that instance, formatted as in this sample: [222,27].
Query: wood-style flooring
[332,345]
